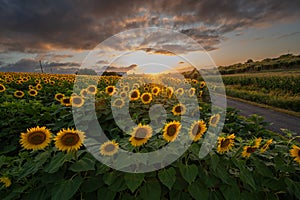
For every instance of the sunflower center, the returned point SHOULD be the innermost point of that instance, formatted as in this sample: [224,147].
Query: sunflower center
[146,97]
[70,139]
[299,153]
[92,89]
[66,101]
[134,95]
[140,134]
[77,100]
[178,109]
[196,130]
[109,148]
[251,149]
[110,89]
[118,102]
[214,120]
[36,138]
[19,93]
[225,143]
[171,130]
[1,87]
[32,92]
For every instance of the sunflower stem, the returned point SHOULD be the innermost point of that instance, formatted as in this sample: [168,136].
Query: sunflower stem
[75,156]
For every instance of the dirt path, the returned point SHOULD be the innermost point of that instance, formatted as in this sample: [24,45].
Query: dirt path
[278,120]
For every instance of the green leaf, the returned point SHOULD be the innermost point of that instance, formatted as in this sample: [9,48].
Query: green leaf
[105,194]
[214,161]
[189,172]
[167,177]
[197,191]
[66,189]
[150,191]
[231,192]
[246,177]
[133,181]
[84,164]
[262,169]
[57,161]
[110,177]
[179,195]
[92,184]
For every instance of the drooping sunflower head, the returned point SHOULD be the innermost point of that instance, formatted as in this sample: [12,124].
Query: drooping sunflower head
[140,135]
[171,131]
[197,129]
[155,91]
[295,152]
[110,90]
[119,103]
[266,145]
[66,101]
[91,89]
[69,140]
[77,101]
[35,138]
[214,120]
[134,95]
[2,88]
[248,150]
[32,92]
[109,148]
[19,94]
[178,109]
[225,143]
[59,96]
[146,98]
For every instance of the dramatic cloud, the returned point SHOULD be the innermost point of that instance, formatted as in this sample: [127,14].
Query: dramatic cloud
[119,69]
[36,26]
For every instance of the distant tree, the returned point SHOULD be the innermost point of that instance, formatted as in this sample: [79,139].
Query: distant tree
[249,61]
[86,71]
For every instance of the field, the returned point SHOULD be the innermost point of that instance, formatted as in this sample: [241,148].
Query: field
[50,145]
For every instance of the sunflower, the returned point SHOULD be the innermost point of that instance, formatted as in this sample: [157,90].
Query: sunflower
[225,143]
[171,131]
[77,101]
[110,90]
[155,91]
[38,86]
[134,95]
[123,94]
[66,101]
[178,109]
[192,92]
[37,81]
[197,129]
[35,138]
[140,135]
[119,103]
[295,152]
[214,120]
[69,140]
[266,146]
[2,88]
[248,150]
[257,142]
[6,181]
[32,92]
[202,84]
[109,148]
[59,96]
[179,91]
[146,98]
[126,88]
[170,92]
[91,89]
[200,93]
[19,94]
[84,92]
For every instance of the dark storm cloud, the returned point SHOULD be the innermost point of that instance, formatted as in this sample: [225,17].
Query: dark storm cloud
[35,26]
[31,65]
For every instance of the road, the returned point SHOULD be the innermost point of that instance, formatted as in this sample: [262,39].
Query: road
[279,120]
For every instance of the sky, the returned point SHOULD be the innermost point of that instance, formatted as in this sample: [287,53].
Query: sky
[144,36]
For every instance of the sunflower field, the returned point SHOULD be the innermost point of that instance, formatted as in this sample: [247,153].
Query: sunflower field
[51,150]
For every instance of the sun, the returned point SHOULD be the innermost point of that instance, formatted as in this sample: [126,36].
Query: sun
[36,138]
[69,140]
[140,135]
[171,131]
[109,148]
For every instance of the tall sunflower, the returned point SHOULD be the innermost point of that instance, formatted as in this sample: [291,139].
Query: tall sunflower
[123,94]
[2,88]
[59,96]
[202,84]
[134,95]
[295,152]
[109,148]
[155,91]
[119,103]
[248,150]
[214,120]
[192,92]
[266,146]
[66,101]
[19,94]
[32,92]
[77,101]
[38,86]
[197,129]
[179,91]
[171,131]
[225,143]
[140,135]
[35,138]
[91,89]
[146,98]
[83,92]
[69,140]
[178,109]
[110,90]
